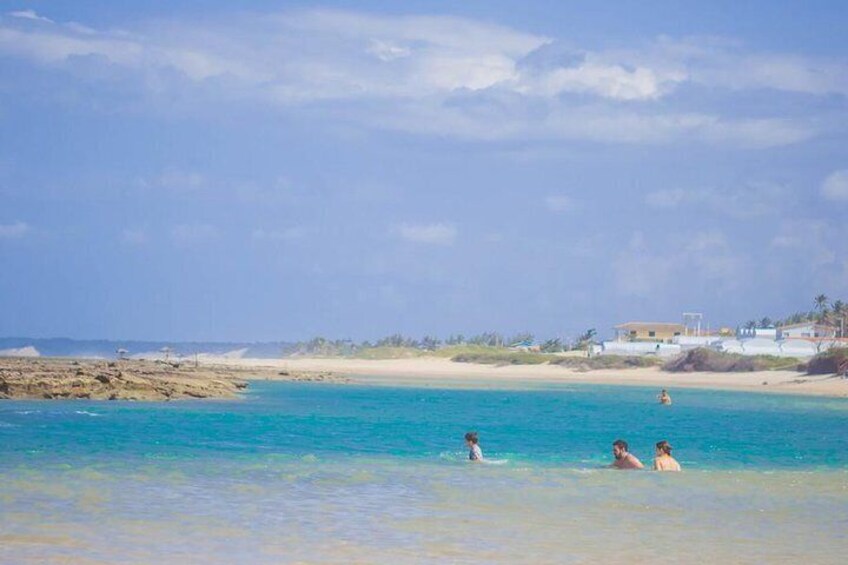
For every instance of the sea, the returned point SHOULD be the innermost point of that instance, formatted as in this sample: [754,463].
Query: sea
[351,473]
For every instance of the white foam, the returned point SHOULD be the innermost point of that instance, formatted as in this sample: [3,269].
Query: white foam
[28,351]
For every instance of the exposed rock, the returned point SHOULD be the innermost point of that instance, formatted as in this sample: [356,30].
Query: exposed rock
[137,380]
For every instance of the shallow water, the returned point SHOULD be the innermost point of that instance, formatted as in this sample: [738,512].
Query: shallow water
[326,473]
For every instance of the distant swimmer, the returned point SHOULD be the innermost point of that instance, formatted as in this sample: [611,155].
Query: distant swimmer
[664,461]
[664,397]
[475,454]
[623,458]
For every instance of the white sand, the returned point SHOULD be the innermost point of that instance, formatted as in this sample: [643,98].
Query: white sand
[446,373]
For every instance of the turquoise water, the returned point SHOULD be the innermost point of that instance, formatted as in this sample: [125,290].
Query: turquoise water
[340,473]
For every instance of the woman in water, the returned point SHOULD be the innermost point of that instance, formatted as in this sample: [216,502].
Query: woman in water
[664,461]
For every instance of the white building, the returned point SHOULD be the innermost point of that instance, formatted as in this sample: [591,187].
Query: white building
[806,329]
[767,333]
[639,348]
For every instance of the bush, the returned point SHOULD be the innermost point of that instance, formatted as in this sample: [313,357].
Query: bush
[502,358]
[833,361]
[607,362]
[702,359]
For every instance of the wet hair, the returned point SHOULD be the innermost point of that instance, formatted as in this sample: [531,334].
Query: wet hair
[664,446]
[621,443]
[472,437]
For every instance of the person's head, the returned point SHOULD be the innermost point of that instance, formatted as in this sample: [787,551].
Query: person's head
[619,448]
[471,438]
[663,448]
[664,392]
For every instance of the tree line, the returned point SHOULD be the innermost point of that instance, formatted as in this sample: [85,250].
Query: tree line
[323,346]
[827,312]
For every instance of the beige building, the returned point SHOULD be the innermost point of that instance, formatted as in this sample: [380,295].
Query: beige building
[648,331]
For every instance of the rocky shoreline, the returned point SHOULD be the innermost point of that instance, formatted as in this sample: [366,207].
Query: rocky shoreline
[50,378]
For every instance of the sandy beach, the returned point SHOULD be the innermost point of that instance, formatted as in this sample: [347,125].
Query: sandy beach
[445,373]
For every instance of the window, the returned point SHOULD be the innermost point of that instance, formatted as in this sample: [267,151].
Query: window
[652,334]
[633,333]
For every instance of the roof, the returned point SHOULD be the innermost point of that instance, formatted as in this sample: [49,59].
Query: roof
[805,324]
[638,325]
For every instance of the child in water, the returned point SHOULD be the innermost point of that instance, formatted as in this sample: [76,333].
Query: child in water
[664,461]
[475,454]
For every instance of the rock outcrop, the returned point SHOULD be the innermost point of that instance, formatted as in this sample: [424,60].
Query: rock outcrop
[113,380]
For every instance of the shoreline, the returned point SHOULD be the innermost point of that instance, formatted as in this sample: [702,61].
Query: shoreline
[443,373]
[222,377]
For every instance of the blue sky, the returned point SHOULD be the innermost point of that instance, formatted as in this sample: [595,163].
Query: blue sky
[352,169]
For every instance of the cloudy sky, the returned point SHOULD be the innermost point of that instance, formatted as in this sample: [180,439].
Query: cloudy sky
[289,169]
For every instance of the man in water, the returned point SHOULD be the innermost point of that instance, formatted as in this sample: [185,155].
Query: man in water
[664,397]
[623,458]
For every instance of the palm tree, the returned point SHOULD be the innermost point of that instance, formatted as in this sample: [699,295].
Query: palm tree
[766,322]
[821,305]
[839,312]
[585,338]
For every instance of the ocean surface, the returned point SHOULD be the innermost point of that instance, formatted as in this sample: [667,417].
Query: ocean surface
[320,473]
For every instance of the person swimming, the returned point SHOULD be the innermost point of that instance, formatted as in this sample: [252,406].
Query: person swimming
[664,397]
[475,454]
[664,461]
[623,458]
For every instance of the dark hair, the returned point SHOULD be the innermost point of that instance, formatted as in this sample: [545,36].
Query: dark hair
[472,437]
[621,443]
[664,446]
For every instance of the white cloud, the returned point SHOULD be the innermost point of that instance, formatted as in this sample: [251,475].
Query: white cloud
[649,268]
[835,186]
[559,203]
[13,231]
[744,201]
[605,80]
[387,51]
[134,236]
[443,75]
[181,181]
[436,234]
[815,242]
[288,234]
[29,15]
[189,234]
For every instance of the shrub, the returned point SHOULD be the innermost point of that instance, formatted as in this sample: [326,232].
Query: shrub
[607,362]
[833,361]
[702,359]
[502,358]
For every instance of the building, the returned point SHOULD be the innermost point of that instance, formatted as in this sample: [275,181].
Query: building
[765,333]
[648,331]
[806,330]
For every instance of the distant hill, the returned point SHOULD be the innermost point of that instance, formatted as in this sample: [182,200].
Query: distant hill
[104,348]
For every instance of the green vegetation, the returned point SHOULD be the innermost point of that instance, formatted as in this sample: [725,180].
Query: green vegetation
[389,352]
[703,359]
[398,346]
[608,362]
[500,356]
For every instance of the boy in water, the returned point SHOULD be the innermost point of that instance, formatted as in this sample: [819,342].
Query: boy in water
[664,397]
[475,454]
